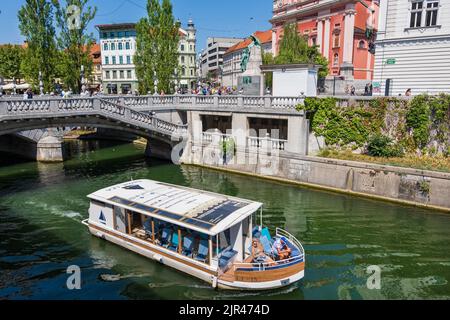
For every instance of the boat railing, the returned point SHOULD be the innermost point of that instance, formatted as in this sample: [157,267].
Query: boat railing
[265,265]
[262,266]
[283,233]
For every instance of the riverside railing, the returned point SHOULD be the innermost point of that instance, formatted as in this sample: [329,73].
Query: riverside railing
[18,110]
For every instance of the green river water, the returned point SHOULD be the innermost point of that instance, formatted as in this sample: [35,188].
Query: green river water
[42,206]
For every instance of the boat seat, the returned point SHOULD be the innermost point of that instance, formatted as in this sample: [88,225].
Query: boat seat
[203,250]
[266,233]
[174,243]
[165,237]
[267,246]
[226,257]
[188,246]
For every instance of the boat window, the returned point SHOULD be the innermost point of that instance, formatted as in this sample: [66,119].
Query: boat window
[224,240]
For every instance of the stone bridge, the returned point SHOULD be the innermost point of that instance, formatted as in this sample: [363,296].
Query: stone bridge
[163,120]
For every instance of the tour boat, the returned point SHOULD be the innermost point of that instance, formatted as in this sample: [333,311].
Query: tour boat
[209,236]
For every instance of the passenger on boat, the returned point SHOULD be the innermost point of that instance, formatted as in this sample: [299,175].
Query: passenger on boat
[280,246]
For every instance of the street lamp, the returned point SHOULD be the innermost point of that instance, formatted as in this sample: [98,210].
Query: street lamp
[41,84]
[83,86]
[14,86]
[155,83]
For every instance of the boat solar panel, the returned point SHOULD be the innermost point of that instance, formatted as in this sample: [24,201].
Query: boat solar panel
[221,211]
[169,215]
[198,223]
[121,201]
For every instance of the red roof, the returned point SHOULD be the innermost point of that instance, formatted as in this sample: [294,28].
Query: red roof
[96,53]
[263,36]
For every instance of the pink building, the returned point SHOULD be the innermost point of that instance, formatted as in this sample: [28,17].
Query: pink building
[341,29]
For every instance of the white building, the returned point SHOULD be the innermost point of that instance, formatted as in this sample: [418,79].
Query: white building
[232,58]
[212,56]
[413,47]
[118,48]
[188,56]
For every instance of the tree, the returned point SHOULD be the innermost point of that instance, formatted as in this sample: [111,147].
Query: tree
[74,42]
[10,60]
[294,48]
[36,25]
[268,59]
[157,46]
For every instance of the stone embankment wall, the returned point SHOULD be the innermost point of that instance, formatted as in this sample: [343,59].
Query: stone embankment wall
[408,186]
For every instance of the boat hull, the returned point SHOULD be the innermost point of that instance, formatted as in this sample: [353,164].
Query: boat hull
[246,280]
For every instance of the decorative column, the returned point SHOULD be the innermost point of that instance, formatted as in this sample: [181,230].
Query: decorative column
[349,35]
[320,34]
[326,38]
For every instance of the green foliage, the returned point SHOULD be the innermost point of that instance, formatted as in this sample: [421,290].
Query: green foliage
[36,25]
[294,48]
[382,146]
[268,59]
[157,47]
[387,126]
[418,119]
[340,126]
[10,60]
[228,147]
[74,43]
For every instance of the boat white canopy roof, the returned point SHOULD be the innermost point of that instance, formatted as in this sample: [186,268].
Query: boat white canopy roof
[202,211]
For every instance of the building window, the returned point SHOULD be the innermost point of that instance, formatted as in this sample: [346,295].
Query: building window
[127,46]
[106,60]
[114,74]
[183,72]
[113,60]
[105,47]
[336,59]
[107,75]
[129,74]
[314,41]
[336,40]
[122,74]
[113,46]
[182,59]
[182,47]
[432,13]
[120,60]
[362,44]
[120,46]
[192,72]
[416,14]
[128,60]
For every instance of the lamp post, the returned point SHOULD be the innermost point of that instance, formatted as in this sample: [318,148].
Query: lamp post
[83,86]
[14,86]
[41,84]
[155,83]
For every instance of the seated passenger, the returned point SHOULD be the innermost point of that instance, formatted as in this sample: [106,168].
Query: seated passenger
[283,250]
[257,249]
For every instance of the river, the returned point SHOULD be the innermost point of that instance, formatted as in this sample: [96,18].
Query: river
[42,206]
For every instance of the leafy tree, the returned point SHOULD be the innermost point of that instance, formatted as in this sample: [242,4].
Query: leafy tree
[157,46]
[10,60]
[74,41]
[294,48]
[36,25]
[267,59]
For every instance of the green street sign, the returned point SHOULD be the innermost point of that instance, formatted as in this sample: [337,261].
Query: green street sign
[391,61]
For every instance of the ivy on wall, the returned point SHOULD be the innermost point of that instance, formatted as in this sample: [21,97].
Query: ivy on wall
[417,125]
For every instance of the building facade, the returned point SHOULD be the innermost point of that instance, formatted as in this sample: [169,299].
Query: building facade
[342,29]
[188,57]
[118,47]
[413,47]
[233,56]
[95,79]
[212,57]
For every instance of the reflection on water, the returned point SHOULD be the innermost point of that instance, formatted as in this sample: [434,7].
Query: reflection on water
[41,234]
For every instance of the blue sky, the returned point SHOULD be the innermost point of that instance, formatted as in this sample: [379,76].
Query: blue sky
[234,18]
